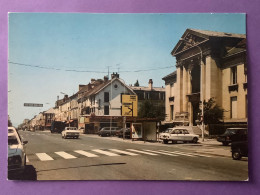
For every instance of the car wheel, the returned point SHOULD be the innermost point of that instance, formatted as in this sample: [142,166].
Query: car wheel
[195,140]
[225,143]
[165,141]
[236,155]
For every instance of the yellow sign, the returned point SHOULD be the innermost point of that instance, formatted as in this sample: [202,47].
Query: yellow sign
[129,105]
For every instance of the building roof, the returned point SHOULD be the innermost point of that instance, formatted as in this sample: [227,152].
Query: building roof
[141,88]
[217,34]
[173,74]
[202,36]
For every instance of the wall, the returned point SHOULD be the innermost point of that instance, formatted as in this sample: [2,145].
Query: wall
[241,93]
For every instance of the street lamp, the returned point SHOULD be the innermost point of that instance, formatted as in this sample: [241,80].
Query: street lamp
[202,90]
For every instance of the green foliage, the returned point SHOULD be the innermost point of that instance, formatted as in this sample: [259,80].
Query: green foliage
[148,110]
[136,83]
[213,114]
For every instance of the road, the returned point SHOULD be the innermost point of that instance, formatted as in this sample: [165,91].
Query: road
[49,157]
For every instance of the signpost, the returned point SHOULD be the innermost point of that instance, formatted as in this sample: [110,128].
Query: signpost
[129,105]
[33,105]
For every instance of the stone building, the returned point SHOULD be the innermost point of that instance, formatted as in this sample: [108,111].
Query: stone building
[208,65]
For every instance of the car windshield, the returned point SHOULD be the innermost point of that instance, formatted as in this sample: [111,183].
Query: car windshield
[12,140]
[72,128]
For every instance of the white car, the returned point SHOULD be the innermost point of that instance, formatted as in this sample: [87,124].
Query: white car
[178,134]
[16,153]
[70,132]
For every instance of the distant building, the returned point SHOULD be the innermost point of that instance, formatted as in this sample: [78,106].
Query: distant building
[154,94]
[99,103]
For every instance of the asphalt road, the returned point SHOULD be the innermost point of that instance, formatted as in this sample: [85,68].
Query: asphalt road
[106,158]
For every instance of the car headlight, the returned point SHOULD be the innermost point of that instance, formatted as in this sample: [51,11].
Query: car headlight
[14,160]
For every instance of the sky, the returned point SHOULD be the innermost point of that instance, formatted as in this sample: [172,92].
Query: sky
[50,54]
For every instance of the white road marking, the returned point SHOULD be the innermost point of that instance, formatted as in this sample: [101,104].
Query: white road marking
[124,152]
[105,152]
[65,155]
[159,152]
[43,156]
[143,152]
[27,159]
[194,154]
[179,153]
[189,154]
[84,153]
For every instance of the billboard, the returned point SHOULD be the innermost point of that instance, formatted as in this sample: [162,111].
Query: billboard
[129,105]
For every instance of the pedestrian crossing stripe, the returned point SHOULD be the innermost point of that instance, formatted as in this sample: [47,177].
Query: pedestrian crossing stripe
[65,155]
[84,153]
[44,156]
[159,152]
[106,152]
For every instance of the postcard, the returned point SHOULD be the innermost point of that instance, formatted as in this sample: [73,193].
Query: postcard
[127,97]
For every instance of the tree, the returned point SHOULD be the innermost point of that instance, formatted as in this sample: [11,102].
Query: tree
[213,114]
[136,83]
[148,110]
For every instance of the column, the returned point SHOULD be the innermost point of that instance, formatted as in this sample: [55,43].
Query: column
[185,90]
[178,99]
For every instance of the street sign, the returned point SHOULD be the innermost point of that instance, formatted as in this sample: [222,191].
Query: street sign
[129,105]
[33,105]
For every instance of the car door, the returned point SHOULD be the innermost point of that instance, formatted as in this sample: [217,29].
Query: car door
[176,135]
[186,135]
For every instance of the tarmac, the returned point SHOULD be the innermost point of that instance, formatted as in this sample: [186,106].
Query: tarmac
[208,146]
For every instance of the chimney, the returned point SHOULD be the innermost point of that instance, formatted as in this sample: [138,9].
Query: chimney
[93,80]
[114,75]
[150,84]
[105,78]
[81,86]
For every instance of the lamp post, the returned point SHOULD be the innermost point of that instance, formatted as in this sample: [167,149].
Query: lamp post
[202,84]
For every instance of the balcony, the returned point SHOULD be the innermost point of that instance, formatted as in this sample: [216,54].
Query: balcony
[233,87]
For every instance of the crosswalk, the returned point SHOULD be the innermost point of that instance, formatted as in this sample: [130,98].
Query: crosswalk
[107,152]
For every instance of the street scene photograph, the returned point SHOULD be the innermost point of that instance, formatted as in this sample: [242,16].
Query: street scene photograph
[127,97]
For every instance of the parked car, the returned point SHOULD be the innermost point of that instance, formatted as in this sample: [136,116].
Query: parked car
[178,134]
[70,132]
[57,126]
[16,153]
[232,134]
[107,131]
[239,149]
[120,132]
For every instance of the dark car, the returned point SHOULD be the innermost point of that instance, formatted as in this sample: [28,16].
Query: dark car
[57,126]
[233,134]
[239,149]
[120,132]
[108,131]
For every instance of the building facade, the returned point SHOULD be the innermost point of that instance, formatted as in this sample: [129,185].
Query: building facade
[208,65]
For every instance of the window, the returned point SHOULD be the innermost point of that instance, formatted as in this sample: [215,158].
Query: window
[106,110]
[233,75]
[171,112]
[106,96]
[233,109]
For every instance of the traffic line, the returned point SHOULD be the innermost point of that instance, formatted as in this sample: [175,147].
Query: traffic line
[124,152]
[105,152]
[84,153]
[197,154]
[44,156]
[179,153]
[188,154]
[65,155]
[27,159]
[159,152]
[143,152]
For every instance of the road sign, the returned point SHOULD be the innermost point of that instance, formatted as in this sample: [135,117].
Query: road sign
[33,105]
[129,105]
